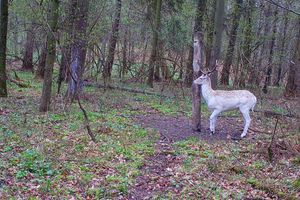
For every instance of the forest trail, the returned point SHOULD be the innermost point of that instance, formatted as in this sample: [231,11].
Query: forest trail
[158,170]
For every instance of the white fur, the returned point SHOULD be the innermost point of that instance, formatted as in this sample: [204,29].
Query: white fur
[220,100]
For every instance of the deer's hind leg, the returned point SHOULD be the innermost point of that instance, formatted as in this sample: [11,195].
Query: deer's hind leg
[247,120]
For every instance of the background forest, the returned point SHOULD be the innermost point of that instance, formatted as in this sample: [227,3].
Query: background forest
[122,72]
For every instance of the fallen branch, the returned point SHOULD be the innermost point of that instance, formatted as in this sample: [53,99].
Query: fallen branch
[19,83]
[87,124]
[127,90]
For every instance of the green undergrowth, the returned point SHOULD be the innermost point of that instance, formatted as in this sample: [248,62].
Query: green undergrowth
[50,154]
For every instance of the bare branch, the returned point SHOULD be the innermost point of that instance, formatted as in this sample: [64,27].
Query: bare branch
[285,8]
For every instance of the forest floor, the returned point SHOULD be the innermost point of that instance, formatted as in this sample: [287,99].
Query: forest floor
[145,149]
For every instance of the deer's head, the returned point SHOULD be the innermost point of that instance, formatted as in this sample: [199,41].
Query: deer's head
[205,77]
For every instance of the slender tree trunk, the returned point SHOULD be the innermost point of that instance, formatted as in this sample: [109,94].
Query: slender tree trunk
[124,67]
[51,53]
[78,50]
[198,60]
[39,74]
[293,83]
[112,44]
[198,57]
[201,6]
[282,48]
[219,22]
[29,46]
[156,30]
[232,38]
[3,38]
[270,58]
[210,33]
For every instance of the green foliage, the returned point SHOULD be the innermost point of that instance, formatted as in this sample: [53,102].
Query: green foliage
[33,162]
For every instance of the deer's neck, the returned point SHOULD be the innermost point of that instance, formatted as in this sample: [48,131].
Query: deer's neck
[207,91]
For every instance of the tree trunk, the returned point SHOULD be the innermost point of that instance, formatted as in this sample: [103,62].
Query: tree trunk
[3,37]
[282,49]
[219,22]
[29,46]
[39,74]
[272,43]
[78,49]
[293,83]
[51,52]
[210,33]
[112,44]
[197,63]
[198,56]
[66,48]
[156,29]
[246,48]
[232,38]
[201,6]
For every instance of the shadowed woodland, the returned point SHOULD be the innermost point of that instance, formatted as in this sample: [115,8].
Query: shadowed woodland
[98,99]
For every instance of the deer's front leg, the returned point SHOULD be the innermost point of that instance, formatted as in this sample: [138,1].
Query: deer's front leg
[213,120]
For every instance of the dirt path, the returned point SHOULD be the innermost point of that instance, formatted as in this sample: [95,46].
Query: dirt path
[157,172]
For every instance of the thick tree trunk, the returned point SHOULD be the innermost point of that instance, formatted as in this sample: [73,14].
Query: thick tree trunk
[51,53]
[3,38]
[39,74]
[112,44]
[78,49]
[232,38]
[219,20]
[293,83]
[153,56]
[29,46]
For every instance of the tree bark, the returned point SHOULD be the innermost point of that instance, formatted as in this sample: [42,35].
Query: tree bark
[3,39]
[112,44]
[232,38]
[219,21]
[156,29]
[29,46]
[51,52]
[292,87]
[78,50]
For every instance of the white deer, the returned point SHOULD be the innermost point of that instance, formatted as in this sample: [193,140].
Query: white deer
[221,100]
